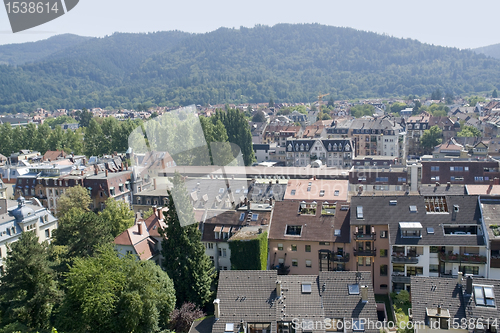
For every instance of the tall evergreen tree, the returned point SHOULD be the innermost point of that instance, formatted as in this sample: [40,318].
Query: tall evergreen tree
[185,260]
[28,291]
[94,139]
[494,94]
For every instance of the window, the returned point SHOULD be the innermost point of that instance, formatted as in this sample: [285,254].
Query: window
[255,217]
[402,179]
[361,261]
[381,179]
[474,270]
[293,230]
[353,289]
[280,247]
[306,288]
[478,179]
[322,193]
[383,252]
[210,245]
[383,234]
[294,247]
[224,253]
[295,263]
[368,261]
[383,286]
[484,295]
[434,168]
[324,243]
[47,233]
[383,270]
[433,268]
[308,248]
[242,217]
[308,263]
[336,193]
[434,249]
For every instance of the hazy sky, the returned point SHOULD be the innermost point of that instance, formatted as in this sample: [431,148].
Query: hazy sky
[458,23]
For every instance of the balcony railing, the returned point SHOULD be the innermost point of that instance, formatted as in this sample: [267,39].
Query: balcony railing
[402,259]
[365,253]
[359,236]
[340,258]
[495,262]
[461,258]
[400,278]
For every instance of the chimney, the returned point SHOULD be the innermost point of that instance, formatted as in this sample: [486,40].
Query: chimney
[270,201]
[155,209]
[140,228]
[468,287]
[496,181]
[439,310]
[217,309]
[95,169]
[437,184]
[106,173]
[448,184]
[278,288]
[459,278]
[160,213]
[490,187]
[154,184]
[260,230]
[364,294]
[3,206]
[82,173]
[314,177]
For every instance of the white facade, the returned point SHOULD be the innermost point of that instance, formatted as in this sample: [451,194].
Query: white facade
[219,253]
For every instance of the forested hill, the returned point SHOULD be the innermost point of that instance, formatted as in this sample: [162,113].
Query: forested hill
[287,62]
[490,50]
[18,54]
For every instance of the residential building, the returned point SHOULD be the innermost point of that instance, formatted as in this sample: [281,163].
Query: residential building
[458,171]
[224,226]
[415,127]
[491,216]
[262,301]
[396,237]
[23,216]
[279,133]
[143,239]
[331,152]
[457,305]
[108,182]
[450,149]
[307,237]
[367,180]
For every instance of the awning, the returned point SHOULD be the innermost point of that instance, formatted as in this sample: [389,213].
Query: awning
[226,229]
[111,188]
[120,185]
[410,225]
[217,228]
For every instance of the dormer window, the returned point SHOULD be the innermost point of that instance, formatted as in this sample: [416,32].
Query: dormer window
[410,229]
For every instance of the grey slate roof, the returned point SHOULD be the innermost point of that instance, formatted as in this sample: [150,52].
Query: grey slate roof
[337,301]
[429,292]
[378,211]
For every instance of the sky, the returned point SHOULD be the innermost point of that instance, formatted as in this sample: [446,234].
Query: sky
[460,23]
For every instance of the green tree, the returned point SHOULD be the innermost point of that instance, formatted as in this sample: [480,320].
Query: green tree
[28,290]
[361,110]
[74,197]
[82,232]
[396,107]
[84,117]
[271,102]
[6,139]
[469,131]
[494,94]
[331,103]
[431,137]
[43,134]
[437,94]
[259,117]
[448,97]
[184,256]
[94,139]
[56,139]
[106,293]
[118,215]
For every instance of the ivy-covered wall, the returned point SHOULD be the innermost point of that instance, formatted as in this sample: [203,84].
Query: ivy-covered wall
[249,254]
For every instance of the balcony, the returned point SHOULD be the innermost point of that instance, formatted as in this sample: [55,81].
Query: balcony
[360,236]
[340,258]
[495,262]
[365,253]
[401,278]
[402,259]
[462,258]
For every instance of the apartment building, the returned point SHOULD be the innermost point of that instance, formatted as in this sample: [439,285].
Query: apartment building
[22,216]
[307,237]
[331,152]
[459,171]
[403,236]
[415,127]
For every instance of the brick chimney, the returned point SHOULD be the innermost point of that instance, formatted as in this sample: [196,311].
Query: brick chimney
[154,184]
[140,228]
[106,173]
[496,181]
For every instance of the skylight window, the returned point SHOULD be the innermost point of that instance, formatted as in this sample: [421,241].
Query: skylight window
[229,327]
[306,288]
[353,289]
[484,295]
[413,209]
[337,232]
[358,325]
[242,216]
[309,189]
[336,193]
[430,230]
[359,212]
[221,190]
[322,193]
[255,217]
[293,192]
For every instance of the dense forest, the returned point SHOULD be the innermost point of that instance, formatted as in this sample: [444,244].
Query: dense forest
[286,62]
[490,50]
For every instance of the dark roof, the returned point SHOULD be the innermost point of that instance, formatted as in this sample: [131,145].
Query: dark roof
[262,192]
[337,301]
[248,296]
[429,292]
[318,228]
[202,326]
[377,210]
